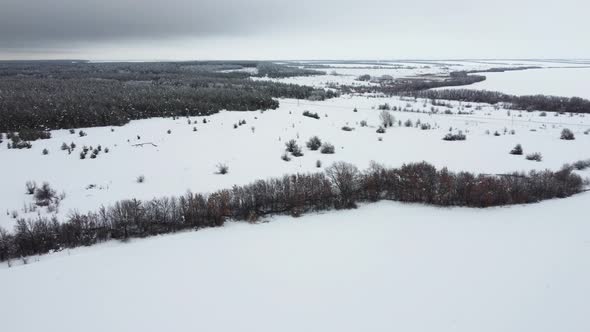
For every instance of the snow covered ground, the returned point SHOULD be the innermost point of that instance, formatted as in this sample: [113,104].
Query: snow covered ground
[186,159]
[347,73]
[566,82]
[383,267]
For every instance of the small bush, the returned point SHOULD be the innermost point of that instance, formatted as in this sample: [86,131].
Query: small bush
[82,133]
[318,163]
[536,156]
[30,187]
[314,143]
[45,152]
[455,137]
[311,115]
[169,131]
[517,150]
[291,145]
[408,123]
[347,128]
[44,195]
[64,146]
[567,135]
[496,133]
[543,114]
[222,169]
[72,131]
[140,179]
[327,148]
[285,157]
[380,130]
[363,123]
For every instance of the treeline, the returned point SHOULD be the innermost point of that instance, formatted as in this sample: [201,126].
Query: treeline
[56,95]
[529,103]
[341,186]
[402,86]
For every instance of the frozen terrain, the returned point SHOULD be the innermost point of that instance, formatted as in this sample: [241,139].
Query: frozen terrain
[566,82]
[382,267]
[186,159]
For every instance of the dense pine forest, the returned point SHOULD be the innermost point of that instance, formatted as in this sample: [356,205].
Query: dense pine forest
[70,94]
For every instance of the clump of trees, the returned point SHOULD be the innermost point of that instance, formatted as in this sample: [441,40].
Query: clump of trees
[294,148]
[39,95]
[537,102]
[387,119]
[341,186]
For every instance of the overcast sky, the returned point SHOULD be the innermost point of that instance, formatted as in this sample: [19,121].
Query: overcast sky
[304,29]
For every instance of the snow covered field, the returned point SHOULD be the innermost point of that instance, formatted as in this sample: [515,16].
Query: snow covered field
[186,159]
[566,82]
[383,267]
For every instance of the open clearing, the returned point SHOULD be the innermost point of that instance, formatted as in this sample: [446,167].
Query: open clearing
[383,267]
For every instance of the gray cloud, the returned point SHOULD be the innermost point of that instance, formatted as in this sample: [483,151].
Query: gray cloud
[292,29]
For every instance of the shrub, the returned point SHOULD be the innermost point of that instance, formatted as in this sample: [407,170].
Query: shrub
[318,163]
[30,187]
[72,131]
[285,157]
[106,150]
[363,123]
[347,128]
[496,133]
[45,152]
[385,107]
[140,179]
[311,115]
[536,156]
[327,148]
[64,146]
[314,143]
[408,123]
[455,137]
[82,133]
[567,134]
[297,151]
[517,150]
[543,114]
[291,145]
[380,130]
[169,131]
[44,195]
[222,169]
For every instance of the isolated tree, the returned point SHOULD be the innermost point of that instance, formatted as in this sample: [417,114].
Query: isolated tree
[387,120]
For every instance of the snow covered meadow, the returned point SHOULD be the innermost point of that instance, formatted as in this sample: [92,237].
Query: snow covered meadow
[384,266]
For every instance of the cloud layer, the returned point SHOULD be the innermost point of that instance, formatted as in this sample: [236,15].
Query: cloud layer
[292,29]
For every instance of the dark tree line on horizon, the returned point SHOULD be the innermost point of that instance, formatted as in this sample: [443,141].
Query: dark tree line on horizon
[59,95]
[341,186]
[529,103]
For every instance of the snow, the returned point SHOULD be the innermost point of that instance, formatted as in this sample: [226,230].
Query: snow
[383,267]
[186,160]
[566,82]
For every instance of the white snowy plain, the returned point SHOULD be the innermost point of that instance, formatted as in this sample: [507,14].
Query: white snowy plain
[383,267]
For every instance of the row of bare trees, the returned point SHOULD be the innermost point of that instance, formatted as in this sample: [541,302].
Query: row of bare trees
[341,186]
